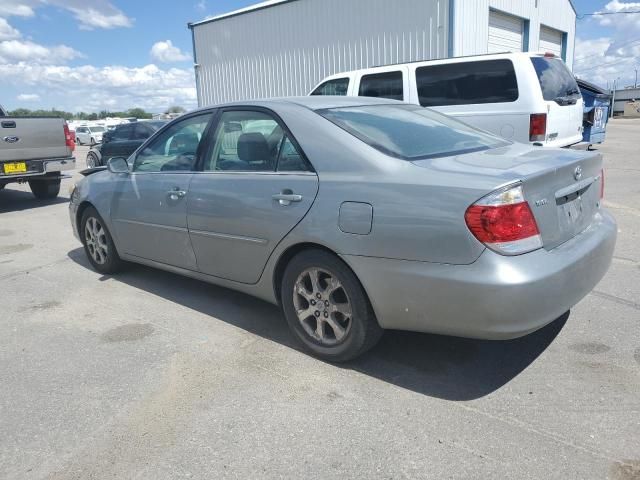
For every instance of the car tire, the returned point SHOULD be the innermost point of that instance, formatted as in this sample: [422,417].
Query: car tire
[93,141]
[92,160]
[326,307]
[78,141]
[98,243]
[45,189]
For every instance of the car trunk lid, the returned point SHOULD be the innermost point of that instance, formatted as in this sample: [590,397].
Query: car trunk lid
[561,186]
[32,138]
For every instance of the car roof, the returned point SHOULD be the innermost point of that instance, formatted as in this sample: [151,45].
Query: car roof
[318,102]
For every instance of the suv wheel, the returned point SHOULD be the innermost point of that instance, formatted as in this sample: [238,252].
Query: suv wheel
[326,307]
[98,243]
[92,160]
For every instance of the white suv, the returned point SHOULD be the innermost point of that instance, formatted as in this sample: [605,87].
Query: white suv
[89,134]
[523,97]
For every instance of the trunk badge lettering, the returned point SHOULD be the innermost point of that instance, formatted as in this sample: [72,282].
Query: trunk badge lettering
[577,174]
[541,202]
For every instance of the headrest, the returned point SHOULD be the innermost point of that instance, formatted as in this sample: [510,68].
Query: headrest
[253,147]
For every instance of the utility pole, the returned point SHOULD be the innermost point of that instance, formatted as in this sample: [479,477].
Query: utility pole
[613,97]
[635,85]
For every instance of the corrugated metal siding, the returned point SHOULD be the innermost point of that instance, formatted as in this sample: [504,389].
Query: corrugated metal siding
[471,22]
[288,48]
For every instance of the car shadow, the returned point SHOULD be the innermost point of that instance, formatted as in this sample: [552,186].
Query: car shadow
[449,368]
[12,200]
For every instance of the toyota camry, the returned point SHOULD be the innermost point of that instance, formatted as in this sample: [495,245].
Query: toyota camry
[356,215]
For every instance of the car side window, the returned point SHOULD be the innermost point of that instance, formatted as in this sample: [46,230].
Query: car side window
[290,159]
[175,148]
[338,86]
[140,131]
[383,85]
[245,141]
[121,133]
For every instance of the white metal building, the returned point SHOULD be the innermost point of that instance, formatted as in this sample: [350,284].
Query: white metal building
[286,47]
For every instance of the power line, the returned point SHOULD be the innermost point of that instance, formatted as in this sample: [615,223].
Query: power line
[623,44]
[596,14]
[608,64]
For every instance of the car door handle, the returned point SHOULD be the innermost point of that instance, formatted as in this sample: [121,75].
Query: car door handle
[176,194]
[286,197]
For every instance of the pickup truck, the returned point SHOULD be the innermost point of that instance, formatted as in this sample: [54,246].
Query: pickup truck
[35,150]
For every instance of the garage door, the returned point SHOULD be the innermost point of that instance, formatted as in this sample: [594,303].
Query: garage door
[551,40]
[506,33]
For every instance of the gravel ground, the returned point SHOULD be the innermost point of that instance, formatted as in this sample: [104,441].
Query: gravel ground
[149,375]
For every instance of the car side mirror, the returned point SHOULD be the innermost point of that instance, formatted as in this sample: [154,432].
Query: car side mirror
[118,165]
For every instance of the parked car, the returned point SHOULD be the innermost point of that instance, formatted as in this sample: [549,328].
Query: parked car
[89,134]
[356,215]
[35,150]
[122,141]
[523,97]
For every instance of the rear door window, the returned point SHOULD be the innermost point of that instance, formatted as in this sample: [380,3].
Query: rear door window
[122,133]
[487,81]
[338,86]
[556,81]
[383,85]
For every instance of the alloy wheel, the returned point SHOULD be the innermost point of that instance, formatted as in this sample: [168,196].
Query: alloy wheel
[96,239]
[322,306]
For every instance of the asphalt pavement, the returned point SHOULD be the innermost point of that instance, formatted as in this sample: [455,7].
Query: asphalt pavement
[149,375]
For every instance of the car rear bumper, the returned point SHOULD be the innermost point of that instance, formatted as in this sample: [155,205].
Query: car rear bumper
[496,297]
[37,168]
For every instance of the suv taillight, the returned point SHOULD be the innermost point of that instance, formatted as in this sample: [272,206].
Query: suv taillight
[504,222]
[537,127]
[67,137]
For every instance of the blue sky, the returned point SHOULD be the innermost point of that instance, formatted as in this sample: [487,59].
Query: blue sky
[116,54]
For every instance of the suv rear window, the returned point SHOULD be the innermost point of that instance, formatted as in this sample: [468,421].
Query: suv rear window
[382,85]
[410,132]
[486,81]
[338,86]
[556,81]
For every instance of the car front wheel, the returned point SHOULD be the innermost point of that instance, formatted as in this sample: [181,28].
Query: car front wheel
[326,307]
[98,243]
[92,160]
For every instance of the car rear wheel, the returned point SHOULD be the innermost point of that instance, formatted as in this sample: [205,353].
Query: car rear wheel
[93,141]
[98,243]
[92,160]
[45,189]
[326,307]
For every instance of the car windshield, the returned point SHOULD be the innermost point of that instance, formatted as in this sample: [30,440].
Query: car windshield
[555,79]
[410,132]
[97,129]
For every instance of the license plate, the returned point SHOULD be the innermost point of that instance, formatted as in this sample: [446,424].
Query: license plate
[17,167]
[598,117]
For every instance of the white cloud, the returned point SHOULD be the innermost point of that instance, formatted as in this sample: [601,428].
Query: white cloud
[201,6]
[25,50]
[90,14]
[615,56]
[7,32]
[18,8]
[111,87]
[28,97]
[166,52]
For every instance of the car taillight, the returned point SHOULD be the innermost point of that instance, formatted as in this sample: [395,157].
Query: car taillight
[504,222]
[67,137]
[537,127]
[602,184]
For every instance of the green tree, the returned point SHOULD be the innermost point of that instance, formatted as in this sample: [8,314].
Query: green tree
[175,109]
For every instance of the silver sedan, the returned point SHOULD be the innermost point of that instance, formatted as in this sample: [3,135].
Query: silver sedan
[356,215]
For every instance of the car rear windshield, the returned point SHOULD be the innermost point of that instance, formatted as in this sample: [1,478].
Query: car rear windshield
[410,132]
[555,79]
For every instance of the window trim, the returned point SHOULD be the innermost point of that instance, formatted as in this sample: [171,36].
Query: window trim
[210,143]
[205,136]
